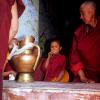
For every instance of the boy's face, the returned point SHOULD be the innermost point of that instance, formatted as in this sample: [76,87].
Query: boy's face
[55,47]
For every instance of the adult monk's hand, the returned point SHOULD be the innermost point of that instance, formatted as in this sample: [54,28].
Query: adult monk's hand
[86,80]
[83,78]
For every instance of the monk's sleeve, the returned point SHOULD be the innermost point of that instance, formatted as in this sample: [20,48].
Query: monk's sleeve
[75,62]
[20,6]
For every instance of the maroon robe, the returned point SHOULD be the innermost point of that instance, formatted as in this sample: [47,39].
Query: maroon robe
[7,69]
[85,52]
[57,63]
[5,21]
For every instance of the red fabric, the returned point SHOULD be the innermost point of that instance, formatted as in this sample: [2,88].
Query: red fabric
[8,67]
[20,6]
[38,74]
[86,49]
[5,20]
[76,67]
[56,64]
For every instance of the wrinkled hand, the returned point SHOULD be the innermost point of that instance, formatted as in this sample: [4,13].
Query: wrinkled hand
[83,78]
[86,80]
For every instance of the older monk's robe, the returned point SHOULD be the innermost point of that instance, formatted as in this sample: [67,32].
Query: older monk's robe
[85,53]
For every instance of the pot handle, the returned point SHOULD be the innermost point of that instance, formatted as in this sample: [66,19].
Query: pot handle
[38,56]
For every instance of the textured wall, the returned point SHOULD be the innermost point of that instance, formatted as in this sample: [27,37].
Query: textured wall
[28,22]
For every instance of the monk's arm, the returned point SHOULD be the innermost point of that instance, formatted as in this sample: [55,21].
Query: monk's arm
[14,22]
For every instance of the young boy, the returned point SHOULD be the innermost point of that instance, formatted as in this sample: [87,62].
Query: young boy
[54,66]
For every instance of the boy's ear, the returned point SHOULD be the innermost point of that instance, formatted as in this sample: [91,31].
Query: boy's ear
[60,48]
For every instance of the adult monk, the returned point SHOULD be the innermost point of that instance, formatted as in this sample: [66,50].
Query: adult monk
[9,12]
[85,53]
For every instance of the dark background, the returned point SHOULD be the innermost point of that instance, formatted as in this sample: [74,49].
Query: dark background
[64,16]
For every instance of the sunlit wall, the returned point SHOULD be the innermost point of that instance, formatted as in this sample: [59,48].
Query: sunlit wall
[29,20]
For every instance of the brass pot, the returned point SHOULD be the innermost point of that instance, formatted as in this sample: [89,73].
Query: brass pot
[26,61]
